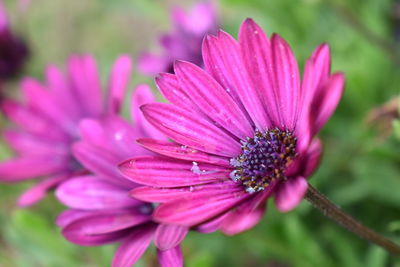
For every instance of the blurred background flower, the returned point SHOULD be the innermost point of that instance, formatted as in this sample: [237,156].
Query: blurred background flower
[358,172]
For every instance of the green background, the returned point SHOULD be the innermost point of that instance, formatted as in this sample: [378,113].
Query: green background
[360,170]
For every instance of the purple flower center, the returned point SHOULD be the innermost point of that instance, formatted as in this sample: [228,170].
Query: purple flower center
[265,158]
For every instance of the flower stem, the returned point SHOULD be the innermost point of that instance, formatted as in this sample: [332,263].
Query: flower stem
[329,209]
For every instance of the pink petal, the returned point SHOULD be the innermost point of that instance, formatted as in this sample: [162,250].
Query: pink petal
[290,193]
[133,247]
[118,81]
[82,87]
[199,207]
[93,89]
[68,216]
[102,163]
[325,104]
[191,130]
[143,95]
[170,258]
[161,195]
[101,228]
[256,54]
[170,88]
[313,157]
[165,172]
[149,64]
[242,219]
[40,100]
[178,151]
[212,225]
[24,168]
[32,122]
[62,93]
[38,192]
[223,61]
[92,193]
[287,80]
[169,236]
[28,144]
[212,99]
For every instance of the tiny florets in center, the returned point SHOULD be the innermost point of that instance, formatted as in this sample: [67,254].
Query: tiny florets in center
[264,158]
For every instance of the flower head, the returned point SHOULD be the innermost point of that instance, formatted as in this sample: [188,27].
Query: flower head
[45,122]
[13,50]
[101,210]
[243,131]
[184,42]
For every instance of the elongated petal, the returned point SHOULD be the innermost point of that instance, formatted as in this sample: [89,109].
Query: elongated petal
[103,163]
[223,61]
[241,219]
[255,49]
[212,99]
[178,151]
[133,247]
[24,168]
[143,95]
[38,192]
[212,225]
[93,193]
[169,236]
[290,193]
[197,207]
[313,158]
[118,81]
[170,88]
[161,195]
[163,172]
[99,228]
[68,216]
[325,104]
[170,258]
[188,129]
[82,87]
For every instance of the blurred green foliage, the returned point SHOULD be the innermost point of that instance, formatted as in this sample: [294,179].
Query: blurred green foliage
[360,171]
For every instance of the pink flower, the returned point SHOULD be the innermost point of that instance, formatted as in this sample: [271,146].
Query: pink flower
[46,122]
[101,210]
[13,50]
[243,131]
[184,42]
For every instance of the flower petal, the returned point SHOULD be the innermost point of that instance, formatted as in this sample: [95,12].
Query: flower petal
[190,129]
[133,247]
[170,258]
[326,102]
[24,168]
[149,64]
[223,61]
[118,81]
[93,193]
[164,172]
[199,207]
[290,193]
[212,99]
[169,236]
[170,88]
[104,227]
[175,150]
[38,192]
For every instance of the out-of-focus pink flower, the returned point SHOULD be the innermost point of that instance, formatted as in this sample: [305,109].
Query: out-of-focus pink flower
[46,121]
[13,51]
[184,43]
[101,210]
[243,131]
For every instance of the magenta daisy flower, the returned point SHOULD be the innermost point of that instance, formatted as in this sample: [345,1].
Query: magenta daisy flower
[184,42]
[101,210]
[45,122]
[13,51]
[243,131]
